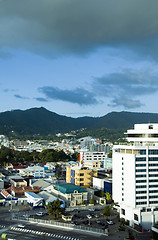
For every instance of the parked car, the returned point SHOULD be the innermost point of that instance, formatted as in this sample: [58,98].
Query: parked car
[98,221]
[89,216]
[91,209]
[40,214]
[110,222]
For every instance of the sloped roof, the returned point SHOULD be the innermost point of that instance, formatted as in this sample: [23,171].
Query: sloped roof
[68,188]
[41,183]
[23,189]
[5,193]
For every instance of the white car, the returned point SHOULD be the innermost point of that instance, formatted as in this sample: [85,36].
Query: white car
[89,216]
[91,209]
[40,214]
[20,225]
[110,222]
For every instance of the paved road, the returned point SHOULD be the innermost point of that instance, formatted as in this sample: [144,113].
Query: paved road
[20,231]
[11,228]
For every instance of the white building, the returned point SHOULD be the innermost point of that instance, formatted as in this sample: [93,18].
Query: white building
[135,176]
[35,171]
[86,156]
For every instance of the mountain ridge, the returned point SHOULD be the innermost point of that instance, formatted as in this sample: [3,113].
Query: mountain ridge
[42,121]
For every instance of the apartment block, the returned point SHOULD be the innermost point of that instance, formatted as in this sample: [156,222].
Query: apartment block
[81,176]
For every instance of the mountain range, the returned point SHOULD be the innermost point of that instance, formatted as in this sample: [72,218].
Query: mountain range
[44,122]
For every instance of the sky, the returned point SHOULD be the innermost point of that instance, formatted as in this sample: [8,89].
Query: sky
[79,57]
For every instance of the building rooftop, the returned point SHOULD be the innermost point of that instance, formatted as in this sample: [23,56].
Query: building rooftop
[68,188]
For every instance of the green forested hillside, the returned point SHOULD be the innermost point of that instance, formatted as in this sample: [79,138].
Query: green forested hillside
[40,121]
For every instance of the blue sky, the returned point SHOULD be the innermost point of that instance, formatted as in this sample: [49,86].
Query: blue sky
[79,58]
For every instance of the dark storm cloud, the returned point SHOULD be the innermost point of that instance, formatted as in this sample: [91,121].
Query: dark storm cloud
[78,95]
[20,97]
[52,27]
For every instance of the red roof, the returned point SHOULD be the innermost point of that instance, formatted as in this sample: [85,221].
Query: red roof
[23,189]
[19,167]
[5,193]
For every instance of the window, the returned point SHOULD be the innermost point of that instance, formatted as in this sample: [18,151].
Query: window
[153,152]
[153,202]
[140,165]
[153,180]
[140,181]
[142,152]
[141,203]
[141,197]
[136,217]
[153,186]
[123,211]
[153,191]
[153,197]
[140,159]
[141,192]
[81,179]
[141,186]
[140,170]
[142,175]
[72,173]
[153,170]
[153,175]
[81,184]
[153,158]
[81,174]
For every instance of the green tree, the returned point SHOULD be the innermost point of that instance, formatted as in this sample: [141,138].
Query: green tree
[107,211]
[99,193]
[110,155]
[108,196]
[54,208]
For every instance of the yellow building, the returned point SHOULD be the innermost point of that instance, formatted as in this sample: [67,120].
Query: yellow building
[81,176]
[92,164]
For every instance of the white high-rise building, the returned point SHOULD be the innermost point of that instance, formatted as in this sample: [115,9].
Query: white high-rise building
[135,176]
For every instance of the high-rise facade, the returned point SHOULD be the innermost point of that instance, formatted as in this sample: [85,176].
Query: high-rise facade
[135,176]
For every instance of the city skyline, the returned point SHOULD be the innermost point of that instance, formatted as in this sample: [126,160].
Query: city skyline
[79,58]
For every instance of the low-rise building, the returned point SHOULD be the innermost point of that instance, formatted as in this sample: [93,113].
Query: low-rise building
[72,194]
[35,171]
[33,199]
[81,176]
[49,197]
[18,182]
[103,184]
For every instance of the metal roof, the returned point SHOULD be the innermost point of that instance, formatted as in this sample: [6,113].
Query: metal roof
[68,188]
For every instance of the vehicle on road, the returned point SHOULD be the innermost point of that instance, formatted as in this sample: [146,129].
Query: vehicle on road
[40,214]
[110,222]
[91,209]
[89,216]
[21,225]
